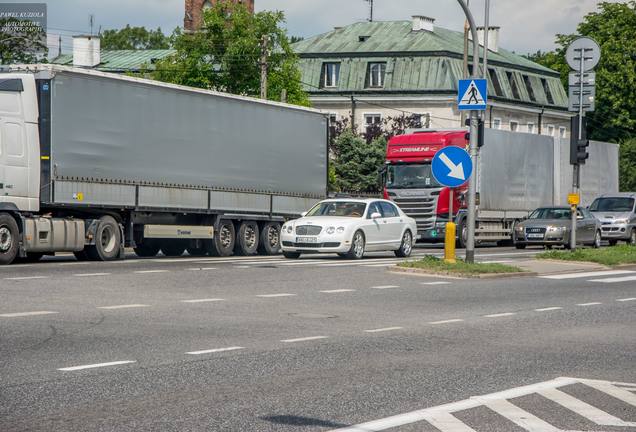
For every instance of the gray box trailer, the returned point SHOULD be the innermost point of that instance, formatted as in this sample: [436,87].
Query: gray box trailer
[161,166]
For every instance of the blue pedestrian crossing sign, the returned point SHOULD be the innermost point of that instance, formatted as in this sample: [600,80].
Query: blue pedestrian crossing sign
[452,166]
[472,94]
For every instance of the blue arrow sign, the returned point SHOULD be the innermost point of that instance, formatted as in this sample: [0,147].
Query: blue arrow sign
[472,94]
[452,166]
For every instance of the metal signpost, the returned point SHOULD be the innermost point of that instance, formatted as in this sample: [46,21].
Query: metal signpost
[582,55]
[452,167]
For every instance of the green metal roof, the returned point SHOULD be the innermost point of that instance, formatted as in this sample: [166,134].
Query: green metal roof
[121,60]
[419,62]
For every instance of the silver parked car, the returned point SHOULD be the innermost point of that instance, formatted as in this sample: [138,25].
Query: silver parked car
[617,213]
[550,226]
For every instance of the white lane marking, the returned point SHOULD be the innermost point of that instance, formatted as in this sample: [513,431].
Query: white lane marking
[615,280]
[587,274]
[275,295]
[24,314]
[217,350]
[151,271]
[363,262]
[202,268]
[382,287]
[446,422]
[446,321]
[548,309]
[90,274]
[203,300]
[626,299]
[583,409]
[498,315]
[589,304]
[337,291]
[612,390]
[128,306]
[304,262]
[311,338]
[241,267]
[381,265]
[25,278]
[435,283]
[386,329]
[519,416]
[97,365]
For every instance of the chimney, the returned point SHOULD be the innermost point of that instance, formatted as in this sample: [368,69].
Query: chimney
[86,51]
[493,37]
[421,22]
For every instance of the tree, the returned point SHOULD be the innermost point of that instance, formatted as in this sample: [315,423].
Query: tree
[613,26]
[627,165]
[225,54]
[357,162]
[21,41]
[134,38]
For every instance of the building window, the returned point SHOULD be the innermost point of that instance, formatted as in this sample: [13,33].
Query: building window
[526,80]
[330,74]
[551,130]
[546,89]
[514,126]
[375,74]
[372,119]
[421,121]
[513,85]
[494,79]
[562,132]
[333,119]
[530,127]
[496,123]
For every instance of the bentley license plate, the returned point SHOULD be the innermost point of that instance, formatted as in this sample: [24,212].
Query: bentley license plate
[306,239]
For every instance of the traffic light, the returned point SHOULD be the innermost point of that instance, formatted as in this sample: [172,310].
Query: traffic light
[578,147]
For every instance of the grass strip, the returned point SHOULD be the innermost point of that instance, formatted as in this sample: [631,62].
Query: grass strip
[460,267]
[609,256]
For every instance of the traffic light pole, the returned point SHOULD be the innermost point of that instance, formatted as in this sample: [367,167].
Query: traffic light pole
[576,172]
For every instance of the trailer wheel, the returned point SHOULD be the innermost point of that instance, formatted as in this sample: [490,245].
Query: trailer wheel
[461,234]
[270,239]
[9,237]
[147,248]
[107,240]
[247,239]
[173,248]
[224,239]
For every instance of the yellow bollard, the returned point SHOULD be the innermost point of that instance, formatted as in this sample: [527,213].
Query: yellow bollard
[449,244]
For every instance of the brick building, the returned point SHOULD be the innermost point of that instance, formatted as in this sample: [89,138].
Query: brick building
[194,11]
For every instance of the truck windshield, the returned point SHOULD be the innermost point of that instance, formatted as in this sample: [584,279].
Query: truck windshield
[411,176]
[617,204]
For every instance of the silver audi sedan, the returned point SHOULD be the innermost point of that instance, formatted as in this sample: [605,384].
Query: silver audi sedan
[550,226]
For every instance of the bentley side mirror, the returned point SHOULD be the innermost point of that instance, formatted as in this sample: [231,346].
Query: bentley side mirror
[303,214]
[376,215]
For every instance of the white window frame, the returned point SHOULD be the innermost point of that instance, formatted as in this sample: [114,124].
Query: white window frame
[379,69]
[562,132]
[334,75]
[335,117]
[530,127]
[496,123]
[365,116]
[516,123]
[550,130]
[425,119]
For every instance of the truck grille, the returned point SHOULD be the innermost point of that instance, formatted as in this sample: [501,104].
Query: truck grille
[422,209]
[308,230]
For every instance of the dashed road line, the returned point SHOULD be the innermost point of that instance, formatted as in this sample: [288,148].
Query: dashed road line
[435,283]
[91,274]
[383,287]
[587,274]
[615,280]
[546,309]
[97,365]
[128,306]
[216,350]
[202,269]
[499,315]
[151,271]
[304,339]
[589,304]
[626,299]
[276,295]
[448,321]
[386,329]
[25,314]
[25,278]
[337,291]
[210,300]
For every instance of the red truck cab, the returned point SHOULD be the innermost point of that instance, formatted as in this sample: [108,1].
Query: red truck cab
[409,180]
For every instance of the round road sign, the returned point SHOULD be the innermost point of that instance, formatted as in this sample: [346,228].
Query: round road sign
[584,48]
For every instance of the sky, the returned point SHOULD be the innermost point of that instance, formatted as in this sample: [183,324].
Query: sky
[526,25]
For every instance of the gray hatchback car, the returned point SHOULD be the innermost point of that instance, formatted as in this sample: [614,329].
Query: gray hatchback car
[617,213]
[550,226]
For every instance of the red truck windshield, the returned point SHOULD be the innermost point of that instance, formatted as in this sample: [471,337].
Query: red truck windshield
[411,176]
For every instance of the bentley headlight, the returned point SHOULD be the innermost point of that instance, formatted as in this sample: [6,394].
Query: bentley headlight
[340,230]
[290,229]
[331,230]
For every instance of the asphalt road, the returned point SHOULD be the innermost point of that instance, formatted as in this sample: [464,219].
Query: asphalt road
[265,344]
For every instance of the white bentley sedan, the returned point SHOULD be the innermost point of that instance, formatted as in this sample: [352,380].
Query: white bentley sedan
[350,227]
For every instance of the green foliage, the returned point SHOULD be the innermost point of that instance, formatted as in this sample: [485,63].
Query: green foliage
[225,55]
[623,254]
[461,268]
[21,42]
[134,38]
[613,26]
[357,163]
[627,165]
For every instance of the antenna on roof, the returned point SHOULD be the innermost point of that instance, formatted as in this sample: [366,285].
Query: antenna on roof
[91,20]
[370,9]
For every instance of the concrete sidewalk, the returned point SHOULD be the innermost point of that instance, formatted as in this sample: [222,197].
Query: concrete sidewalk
[546,267]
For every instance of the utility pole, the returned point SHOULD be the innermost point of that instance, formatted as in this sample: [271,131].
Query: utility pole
[462,117]
[59,45]
[264,60]
[91,20]
[370,9]
[353,114]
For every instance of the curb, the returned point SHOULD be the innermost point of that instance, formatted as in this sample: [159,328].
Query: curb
[422,272]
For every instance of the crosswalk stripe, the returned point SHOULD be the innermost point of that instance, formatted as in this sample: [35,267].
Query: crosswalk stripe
[587,274]
[615,280]
[520,417]
[447,422]
[612,390]
[583,409]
